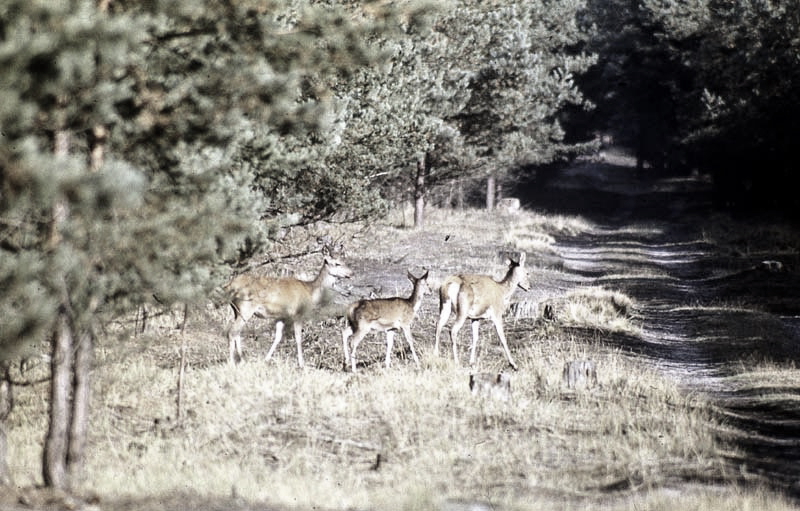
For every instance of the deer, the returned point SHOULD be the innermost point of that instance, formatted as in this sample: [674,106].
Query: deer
[285,299]
[478,297]
[387,315]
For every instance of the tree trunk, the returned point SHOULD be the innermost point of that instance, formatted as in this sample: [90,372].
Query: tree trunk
[491,186]
[71,359]
[419,192]
[60,210]
[81,398]
[56,443]
[54,462]
[6,403]
[97,154]
[5,473]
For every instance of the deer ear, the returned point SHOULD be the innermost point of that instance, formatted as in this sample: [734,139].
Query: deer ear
[521,258]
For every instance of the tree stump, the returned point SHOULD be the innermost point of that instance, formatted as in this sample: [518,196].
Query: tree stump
[771,266]
[579,373]
[490,385]
[508,206]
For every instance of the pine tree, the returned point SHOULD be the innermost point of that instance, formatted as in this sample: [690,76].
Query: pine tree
[523,62]
[742,57]
[124,161]
[478,88]
[392,117]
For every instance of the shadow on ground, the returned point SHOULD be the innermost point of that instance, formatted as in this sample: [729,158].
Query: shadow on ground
[706,314]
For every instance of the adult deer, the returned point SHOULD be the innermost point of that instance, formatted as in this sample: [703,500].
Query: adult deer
[387,315]
[478,297]
[285,299]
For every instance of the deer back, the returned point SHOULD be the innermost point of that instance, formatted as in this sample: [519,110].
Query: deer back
[272,296]
[389,312]
[481,295]
[381,313]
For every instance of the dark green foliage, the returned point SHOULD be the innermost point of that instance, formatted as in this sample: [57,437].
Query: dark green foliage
[523,75]
[637,84]
[703,85]
[181,90]
[744,59]
[477,91]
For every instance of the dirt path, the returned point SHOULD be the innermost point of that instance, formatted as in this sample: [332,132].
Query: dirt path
[706,314]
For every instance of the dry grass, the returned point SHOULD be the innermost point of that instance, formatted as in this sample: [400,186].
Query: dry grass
[399,438]
[318,437]
[596,308]
[752,239]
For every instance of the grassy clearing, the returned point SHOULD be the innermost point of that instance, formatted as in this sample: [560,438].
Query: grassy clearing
[398,438]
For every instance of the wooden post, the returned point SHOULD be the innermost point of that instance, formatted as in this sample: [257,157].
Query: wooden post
[181,371]
[419,192]
[491,190]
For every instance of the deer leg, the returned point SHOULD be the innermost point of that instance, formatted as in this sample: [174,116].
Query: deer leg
[235,340]
[241,313]
[459,322]
[444,315]
[474,348]
[357,336]
[498,325]
[410,341]
[278,337]
[346,333]
[389,347]
[298,337]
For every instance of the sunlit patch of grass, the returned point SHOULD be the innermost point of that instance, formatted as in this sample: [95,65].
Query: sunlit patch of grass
[765,383]
[535,232]
[525,230]
[709,499]
[554,224]
[726,305]
[595,307]
[527,240]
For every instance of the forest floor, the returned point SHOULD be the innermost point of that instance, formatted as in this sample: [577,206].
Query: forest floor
[698,404]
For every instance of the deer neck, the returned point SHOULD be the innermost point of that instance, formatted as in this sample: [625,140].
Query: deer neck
[317,286]
[510,282]
[416,297]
